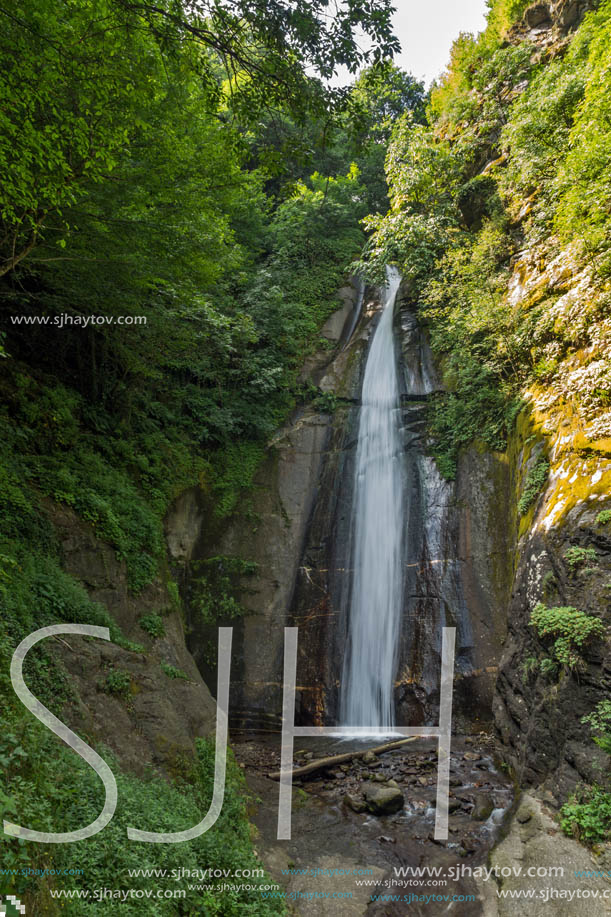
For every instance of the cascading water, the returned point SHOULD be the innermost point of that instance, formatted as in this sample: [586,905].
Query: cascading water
[377,536]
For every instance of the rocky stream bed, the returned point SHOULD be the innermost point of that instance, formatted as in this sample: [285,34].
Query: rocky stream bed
[341,837]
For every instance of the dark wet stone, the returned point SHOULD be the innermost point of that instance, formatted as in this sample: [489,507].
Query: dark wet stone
[483,807]
[383,800]
[355,803]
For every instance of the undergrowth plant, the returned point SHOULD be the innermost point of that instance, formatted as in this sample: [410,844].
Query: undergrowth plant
[534,482]
[587,815]
[571,628]
[599,722]
[577,557]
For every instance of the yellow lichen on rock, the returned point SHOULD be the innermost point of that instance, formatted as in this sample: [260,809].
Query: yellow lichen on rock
[570,407]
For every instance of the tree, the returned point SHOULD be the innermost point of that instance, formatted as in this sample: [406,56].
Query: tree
[76,77]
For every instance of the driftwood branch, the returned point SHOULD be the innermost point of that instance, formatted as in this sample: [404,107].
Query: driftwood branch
[340,759]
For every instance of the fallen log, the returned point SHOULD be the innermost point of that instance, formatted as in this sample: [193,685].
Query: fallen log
[321,763]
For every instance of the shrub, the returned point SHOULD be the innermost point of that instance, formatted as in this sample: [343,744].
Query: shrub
[104,496]
[215,593]
[533,484]
[572,629]
[478,409]
[576,557]
[153,625]
[604,517]
[235,468]
[68,794]
[587,815]
[117,682]
[325,402]
[600,722]
[172,672]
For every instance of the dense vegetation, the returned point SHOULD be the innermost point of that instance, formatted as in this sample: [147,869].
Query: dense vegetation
[515,155]
[180,203]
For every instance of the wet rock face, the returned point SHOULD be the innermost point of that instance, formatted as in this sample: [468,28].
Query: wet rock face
[538,709]
[563,546]
[433,594]
[450,578]
[323,576]
[457,557]
[271,531]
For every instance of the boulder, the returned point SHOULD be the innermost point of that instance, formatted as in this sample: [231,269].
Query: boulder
[484,804]
[383,800]
[353,802]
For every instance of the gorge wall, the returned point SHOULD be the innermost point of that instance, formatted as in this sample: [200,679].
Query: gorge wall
[495,564]
[448,579]
[563,551]
[297,530]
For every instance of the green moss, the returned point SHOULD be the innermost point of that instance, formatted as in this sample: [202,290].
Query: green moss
[534,483]
[235,467]
[549,583]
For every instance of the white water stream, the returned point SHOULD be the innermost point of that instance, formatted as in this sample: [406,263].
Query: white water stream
[377,536]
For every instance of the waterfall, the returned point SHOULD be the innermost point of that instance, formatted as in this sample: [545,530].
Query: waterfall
[377,536]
